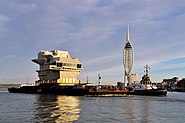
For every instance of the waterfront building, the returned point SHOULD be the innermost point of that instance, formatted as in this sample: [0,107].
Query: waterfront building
[181,84]
[134,78]
[128,59]
[58,67]
[170,83]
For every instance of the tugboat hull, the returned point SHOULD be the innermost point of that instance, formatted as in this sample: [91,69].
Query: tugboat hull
[150,92]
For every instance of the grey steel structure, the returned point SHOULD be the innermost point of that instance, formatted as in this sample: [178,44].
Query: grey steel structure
[128,58]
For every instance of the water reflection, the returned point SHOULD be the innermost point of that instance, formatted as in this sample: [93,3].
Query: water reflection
[68,109]
[51,108]
[128,111]
[145,107]
[44,106]
[137,110]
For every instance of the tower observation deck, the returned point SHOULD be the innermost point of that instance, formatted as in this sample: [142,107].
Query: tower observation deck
[128,58]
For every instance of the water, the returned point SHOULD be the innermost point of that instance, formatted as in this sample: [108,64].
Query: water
[31,108]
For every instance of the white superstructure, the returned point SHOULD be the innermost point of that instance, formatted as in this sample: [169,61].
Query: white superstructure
[58,67]
[128,58]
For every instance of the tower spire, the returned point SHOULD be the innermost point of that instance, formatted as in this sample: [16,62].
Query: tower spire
[128,34]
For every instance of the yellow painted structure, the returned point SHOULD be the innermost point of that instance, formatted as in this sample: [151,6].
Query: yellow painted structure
[58,67]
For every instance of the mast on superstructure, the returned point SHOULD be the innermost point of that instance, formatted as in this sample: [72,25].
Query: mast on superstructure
[147,70]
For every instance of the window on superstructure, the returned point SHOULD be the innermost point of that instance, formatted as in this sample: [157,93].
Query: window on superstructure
[69,65]
[54,63]
[79,65]
[59,64]
[48,60]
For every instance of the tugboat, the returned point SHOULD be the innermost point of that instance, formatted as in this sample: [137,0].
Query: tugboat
[146,88]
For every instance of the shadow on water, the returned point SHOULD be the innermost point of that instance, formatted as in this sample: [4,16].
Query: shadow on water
[52,108]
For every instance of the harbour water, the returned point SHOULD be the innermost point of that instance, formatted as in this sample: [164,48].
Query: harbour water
[32,108]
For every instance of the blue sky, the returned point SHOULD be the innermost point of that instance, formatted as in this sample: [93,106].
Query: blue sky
[94,31]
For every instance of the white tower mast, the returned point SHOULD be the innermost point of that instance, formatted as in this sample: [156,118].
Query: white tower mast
[128,58]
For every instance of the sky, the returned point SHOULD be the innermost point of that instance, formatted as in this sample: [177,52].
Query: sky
[93,31]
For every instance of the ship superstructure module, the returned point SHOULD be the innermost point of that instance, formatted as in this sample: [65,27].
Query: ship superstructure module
[58,67]
[128,58]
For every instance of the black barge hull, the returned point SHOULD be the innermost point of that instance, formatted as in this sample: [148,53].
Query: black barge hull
[50,89]
[79,91]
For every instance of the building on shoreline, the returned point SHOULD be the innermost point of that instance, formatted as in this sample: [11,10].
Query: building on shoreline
[134,78]
[181,84]
[57,67]
[170,83]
